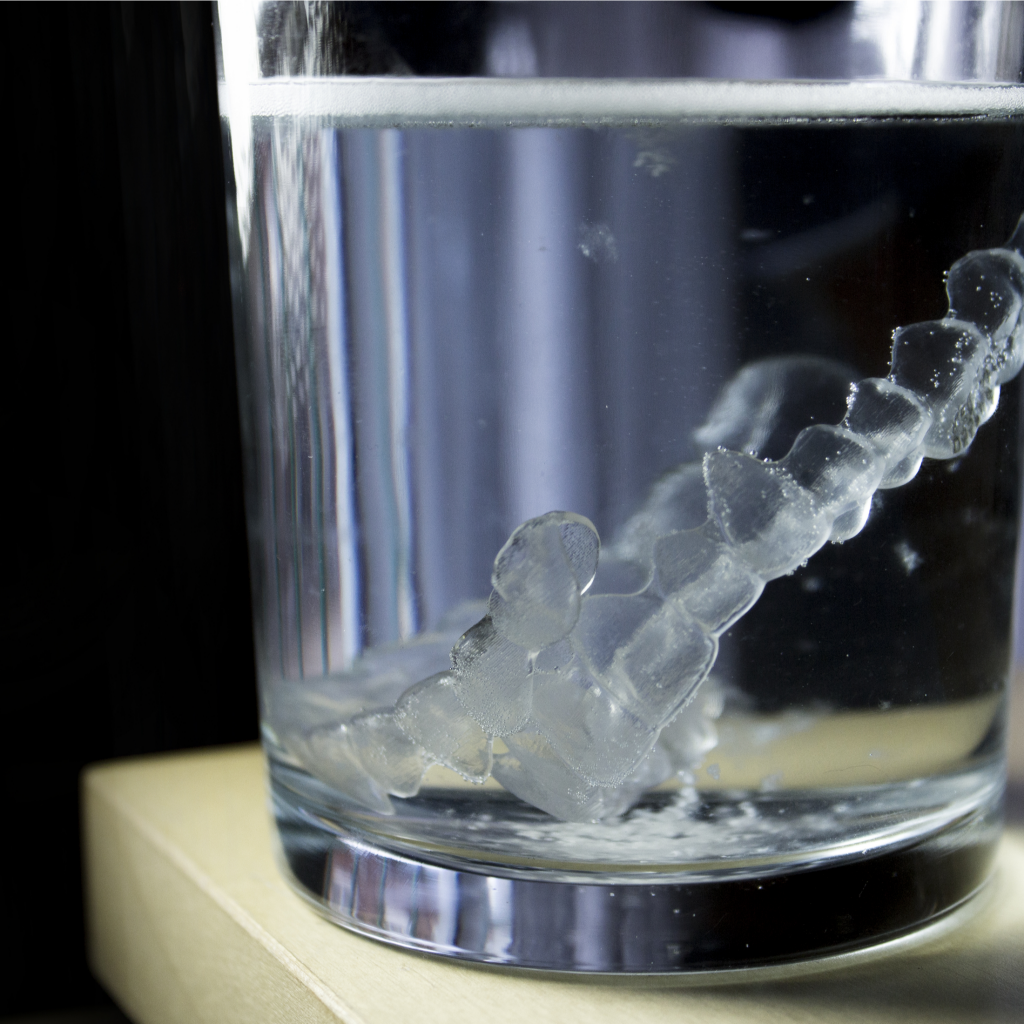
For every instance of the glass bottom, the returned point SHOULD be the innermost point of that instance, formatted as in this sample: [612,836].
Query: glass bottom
[716,923]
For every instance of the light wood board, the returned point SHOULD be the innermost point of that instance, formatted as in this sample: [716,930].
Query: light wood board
[190,921]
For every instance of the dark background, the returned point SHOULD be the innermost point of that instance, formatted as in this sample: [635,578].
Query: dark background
[128,629]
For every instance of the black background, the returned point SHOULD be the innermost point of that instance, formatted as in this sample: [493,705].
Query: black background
[128,628]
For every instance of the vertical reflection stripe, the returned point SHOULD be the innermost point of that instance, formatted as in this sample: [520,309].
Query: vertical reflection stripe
[347,646]
[308,168]
[392,230]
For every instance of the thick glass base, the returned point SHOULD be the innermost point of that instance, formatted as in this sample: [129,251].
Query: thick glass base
[705,924]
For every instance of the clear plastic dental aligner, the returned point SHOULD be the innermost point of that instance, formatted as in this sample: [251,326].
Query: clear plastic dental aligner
[595,692]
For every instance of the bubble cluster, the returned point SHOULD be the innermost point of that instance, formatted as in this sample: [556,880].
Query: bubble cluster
[589,663]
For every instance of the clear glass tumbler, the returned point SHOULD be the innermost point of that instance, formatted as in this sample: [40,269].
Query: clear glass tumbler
[631,405]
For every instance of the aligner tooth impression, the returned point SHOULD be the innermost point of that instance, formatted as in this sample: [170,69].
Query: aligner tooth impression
[593,695]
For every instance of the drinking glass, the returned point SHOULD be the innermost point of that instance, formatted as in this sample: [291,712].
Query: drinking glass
[630,402]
